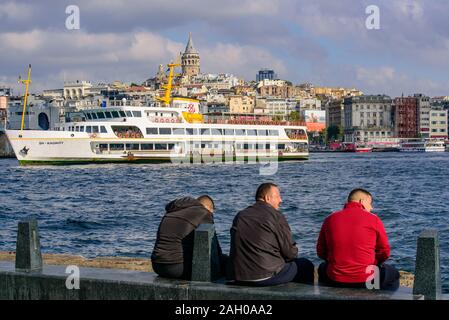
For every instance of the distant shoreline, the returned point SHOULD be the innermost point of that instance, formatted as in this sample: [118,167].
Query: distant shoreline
[127,263]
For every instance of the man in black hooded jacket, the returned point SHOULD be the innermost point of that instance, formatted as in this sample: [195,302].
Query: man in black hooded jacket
[173,250]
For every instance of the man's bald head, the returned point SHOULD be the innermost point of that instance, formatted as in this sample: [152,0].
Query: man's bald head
[207,202]
[362,196]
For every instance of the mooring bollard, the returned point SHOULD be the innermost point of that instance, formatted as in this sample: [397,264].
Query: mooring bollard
[427,270]
[205,260]
[28,247]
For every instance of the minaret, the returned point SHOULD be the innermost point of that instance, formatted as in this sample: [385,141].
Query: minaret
[190,60]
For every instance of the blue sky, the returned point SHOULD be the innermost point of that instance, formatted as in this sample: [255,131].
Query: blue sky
[325,43]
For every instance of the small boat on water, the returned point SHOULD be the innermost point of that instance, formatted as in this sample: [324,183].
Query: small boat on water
[356,147]
[421,145]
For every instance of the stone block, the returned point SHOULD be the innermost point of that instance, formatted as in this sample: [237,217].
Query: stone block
[28,247]
[205,262]
[427,270]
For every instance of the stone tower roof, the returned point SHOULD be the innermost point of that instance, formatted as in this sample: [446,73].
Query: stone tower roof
[190,48]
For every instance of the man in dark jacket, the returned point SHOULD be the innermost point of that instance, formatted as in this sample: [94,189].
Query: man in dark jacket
[173,250]
[263,252]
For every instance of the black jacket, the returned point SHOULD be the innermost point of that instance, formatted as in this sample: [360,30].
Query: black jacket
[261,243]
[174,242]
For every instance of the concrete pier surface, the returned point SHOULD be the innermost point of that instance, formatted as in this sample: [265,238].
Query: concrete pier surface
[136,264]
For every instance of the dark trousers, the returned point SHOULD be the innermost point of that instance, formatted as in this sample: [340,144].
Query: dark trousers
[299,270]
[389,278]
[174,271]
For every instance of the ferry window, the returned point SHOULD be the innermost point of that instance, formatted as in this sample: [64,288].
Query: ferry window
[160,146]
[82,129]
[128,113]
[103,129]
[217,131]
[229,132]
[203,146]
[216,146]
[151,130]
[88,129]
[179,131]
[108,115]
[147,146]
[164,130]
[245,146]
[132,146]
[116,146]
[267,146]
[273,132]
[192,131]
[122,114]
[171,146]
[103,147]
[252,132]
[262,133]
[94,116]
[89,116]
[77,129]
[205,132]
[240,132]
[95,129]
[115,114]
[137,114]
[100,115]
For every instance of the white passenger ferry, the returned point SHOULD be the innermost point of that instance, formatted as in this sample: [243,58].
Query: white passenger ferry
[421,145]
[158,134]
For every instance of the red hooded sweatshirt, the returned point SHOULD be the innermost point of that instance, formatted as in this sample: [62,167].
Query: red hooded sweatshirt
[351,240]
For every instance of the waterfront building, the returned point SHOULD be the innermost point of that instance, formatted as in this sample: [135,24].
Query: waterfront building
[272,107]
[266,74]
[368,118]
[241,104]
[5,91]
[309,104]
[423,115]
[76,89]
[245,90]
[438,124]
[336,93]
[335,112]
[406,117]
[40,115]
[190,60]
[275,88]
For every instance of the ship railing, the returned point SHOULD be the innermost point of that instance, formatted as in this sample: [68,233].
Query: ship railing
[165,120]
[256,122]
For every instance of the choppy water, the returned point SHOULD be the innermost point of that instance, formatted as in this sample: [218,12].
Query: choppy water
[114,210]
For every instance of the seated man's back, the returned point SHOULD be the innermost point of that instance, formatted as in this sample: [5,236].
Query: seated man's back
[350,241]
[262,242]
[352,237]
[173,250]
[263,252]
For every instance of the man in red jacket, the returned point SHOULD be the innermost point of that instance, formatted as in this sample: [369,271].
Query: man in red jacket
[353,243]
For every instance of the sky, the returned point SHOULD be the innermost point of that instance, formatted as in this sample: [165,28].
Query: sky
[325,43]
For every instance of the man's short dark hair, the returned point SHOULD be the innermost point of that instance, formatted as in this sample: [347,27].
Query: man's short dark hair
[264,189]
[206,198]
[351,196]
